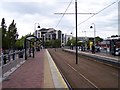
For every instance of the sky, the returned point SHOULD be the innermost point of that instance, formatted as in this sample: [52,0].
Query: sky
[28,14]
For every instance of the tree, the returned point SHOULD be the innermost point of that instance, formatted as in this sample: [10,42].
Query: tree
[4,34]
[12,34]
[20,42]
[3,27]
[73,41]
[9,36]
[98,39]
[48,44]
[57,43]
[69,42]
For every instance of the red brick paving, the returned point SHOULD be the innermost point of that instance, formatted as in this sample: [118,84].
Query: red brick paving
[29,75]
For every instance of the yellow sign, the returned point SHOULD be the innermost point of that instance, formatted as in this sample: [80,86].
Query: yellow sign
[91,43]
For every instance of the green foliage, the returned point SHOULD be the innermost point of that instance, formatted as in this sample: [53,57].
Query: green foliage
[69,42]
[53,43]
[98,39]
[73,41]
[48,44]
[12,34]
[4,34]
[3,27]
[57,43]
[8,37]
[20,42]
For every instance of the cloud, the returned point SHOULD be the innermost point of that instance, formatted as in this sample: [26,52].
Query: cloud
[26,7]
[27,12]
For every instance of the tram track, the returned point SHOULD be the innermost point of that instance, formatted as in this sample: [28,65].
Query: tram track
[84,77]
[70,87]
[68,84]
[79,75]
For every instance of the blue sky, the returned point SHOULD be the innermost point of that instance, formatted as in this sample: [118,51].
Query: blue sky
[28,12]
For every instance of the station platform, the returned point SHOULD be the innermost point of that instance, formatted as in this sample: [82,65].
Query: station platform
[96,54]
[101,57]
[36,73]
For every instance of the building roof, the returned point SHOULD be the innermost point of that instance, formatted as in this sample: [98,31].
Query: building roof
[44,29]
[51,30]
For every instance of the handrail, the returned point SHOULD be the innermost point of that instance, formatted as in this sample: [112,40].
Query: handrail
[5,58]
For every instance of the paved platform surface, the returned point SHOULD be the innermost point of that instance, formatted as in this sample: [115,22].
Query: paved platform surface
[108,59]
[98,54]
[40,72]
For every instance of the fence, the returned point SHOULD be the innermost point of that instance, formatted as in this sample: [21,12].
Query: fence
[8,61]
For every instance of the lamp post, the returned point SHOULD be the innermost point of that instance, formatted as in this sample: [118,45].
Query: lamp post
[85,40]
[85,34]
[35,34]
[71,34]
[94,33]
[43,41]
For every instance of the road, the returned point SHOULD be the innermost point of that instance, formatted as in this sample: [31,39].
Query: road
[87,74]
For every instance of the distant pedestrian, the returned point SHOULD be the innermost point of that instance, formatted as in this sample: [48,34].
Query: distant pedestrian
[93,49]
[82,48]
[88,48]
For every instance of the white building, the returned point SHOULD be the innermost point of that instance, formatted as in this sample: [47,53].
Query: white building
[49,34]
[67,37]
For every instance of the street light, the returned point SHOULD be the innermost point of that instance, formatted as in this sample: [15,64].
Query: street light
[85,34]
[71,35]
[43,41]
[85,39]
[94,33]
[35,34]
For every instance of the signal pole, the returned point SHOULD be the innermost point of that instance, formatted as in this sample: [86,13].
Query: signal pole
[76,26]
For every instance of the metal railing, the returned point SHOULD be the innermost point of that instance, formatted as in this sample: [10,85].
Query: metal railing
[11,61]
[8,61]
[6,58]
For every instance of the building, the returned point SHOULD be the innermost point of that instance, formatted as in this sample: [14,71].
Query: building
[40,33]
[83,39]
[67,37]
[49,34]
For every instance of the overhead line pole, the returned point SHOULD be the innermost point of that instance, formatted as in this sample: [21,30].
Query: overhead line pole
[76,32]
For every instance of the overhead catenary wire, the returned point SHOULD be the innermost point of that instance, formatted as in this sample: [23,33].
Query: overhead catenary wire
[64,13]
[88,17]
[97,12]
[74,13]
